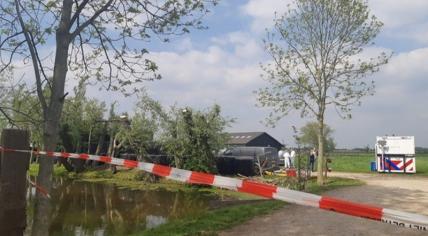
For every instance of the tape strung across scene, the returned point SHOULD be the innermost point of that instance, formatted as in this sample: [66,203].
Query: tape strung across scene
[399,218]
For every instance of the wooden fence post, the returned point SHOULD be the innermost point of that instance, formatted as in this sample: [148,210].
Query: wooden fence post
[13,182]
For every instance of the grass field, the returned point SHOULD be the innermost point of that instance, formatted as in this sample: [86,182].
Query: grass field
[360,162]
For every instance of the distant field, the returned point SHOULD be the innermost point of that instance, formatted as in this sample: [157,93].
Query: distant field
[360,162]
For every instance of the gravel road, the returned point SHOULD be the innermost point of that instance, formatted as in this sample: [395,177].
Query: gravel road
[398,192]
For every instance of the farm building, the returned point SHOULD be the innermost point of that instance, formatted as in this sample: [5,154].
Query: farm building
[245,150]
[253,139]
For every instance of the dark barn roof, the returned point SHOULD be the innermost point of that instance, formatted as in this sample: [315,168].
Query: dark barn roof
[242,138]
[261,139]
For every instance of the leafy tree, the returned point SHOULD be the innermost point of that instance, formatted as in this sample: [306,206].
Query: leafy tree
[100,40]
[80,120]
[308,136]
[73,118]
[316,61]
[140,133]
[21,110]
[93,113]
[194,137]
[114,124]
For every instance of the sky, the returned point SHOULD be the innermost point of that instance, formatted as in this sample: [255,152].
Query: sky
[221,65]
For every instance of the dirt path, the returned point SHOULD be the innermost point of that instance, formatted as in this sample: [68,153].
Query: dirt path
[407,193]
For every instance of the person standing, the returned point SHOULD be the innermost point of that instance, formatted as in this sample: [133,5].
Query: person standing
[287,163]
[292,156]
[312,158]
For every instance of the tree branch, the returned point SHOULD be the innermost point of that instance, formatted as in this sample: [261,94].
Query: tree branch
[12,53]
[33,53]
[109,63]
[10,37]
[78,11]
[90,20]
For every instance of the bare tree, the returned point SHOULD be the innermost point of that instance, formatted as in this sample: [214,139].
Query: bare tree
[317,62]
[98,40]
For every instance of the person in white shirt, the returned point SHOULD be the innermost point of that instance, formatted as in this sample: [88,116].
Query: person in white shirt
[292,156]
[287,159]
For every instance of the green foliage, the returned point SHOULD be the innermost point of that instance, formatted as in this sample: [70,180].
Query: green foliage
[19,108]
[102,36]
[3,123]
[140,135]
[194,137]
[58,171]
[308,136]
[81,117]
[316,61]
[316,49]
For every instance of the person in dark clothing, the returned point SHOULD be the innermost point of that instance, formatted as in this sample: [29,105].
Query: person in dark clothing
[312,158]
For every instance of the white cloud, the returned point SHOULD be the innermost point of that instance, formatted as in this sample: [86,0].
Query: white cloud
[402,19]
[395,14]
[417,33]
[185,45]
[408,66]
[226,71]
[398,107]
[223,74]
[263,12]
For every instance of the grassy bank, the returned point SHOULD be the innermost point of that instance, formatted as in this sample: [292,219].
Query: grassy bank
[221,219]
[360,162]
[214,221]
[332,183]
[207,223]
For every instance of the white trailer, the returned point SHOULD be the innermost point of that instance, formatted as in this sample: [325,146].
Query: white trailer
[395,154]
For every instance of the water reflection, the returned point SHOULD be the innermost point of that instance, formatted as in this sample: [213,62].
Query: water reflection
[81,208]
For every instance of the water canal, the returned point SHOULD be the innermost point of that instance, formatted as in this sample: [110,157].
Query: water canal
[83,208]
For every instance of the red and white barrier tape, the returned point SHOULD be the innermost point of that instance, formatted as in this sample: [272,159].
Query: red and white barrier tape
[39,188]
[409,220]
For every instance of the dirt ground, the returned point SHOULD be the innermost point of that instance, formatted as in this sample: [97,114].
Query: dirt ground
[399,192]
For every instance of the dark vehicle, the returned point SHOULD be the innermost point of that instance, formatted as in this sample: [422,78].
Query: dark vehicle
[247,161]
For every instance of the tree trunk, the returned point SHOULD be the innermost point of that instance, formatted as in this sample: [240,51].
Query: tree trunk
[68,147]
[101,140]
[320,164]
[52,116]
[42,208]
[110,144]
